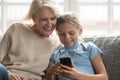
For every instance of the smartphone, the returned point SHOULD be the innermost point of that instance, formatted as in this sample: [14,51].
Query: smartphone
[66,61]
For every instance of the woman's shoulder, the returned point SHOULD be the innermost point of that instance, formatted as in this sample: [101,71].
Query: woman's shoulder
[17,26]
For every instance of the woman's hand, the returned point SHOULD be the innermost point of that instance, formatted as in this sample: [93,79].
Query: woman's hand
[13,76]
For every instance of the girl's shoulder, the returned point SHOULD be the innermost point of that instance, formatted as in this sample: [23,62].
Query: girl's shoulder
[88,45]
[92,49]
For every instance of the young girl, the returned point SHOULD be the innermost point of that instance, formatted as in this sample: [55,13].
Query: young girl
[86,58]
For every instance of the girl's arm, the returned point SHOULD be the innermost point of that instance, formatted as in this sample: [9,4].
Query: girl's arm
[98,65]
[51,73]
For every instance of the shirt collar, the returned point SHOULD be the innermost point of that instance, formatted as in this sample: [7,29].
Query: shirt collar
[75,48]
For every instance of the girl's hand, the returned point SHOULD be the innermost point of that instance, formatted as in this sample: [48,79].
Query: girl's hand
[54,68]
[52,71]
[70,72]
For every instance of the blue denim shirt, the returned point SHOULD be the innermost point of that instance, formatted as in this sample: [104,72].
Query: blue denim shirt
[81,54]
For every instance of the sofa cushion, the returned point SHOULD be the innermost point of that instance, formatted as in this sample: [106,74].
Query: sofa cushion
[110,45]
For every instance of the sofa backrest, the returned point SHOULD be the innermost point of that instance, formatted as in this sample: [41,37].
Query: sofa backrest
[110,45]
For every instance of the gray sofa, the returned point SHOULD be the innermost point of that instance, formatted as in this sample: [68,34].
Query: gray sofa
[110,45]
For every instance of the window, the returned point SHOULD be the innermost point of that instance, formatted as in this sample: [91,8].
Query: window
[96,16]
[12,10]
[116,18]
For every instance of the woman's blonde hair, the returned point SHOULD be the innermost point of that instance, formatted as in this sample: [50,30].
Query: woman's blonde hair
[37,4]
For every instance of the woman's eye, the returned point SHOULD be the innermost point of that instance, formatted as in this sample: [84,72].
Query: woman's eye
[43,19]
[46,19]
[53,18]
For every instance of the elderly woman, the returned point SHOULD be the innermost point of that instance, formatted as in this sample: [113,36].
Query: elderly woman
[24,46]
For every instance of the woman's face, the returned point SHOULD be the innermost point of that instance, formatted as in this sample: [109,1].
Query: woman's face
[68,34]
[45,21]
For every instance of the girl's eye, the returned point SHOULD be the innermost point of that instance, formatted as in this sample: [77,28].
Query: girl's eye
[72,33]
[61,34]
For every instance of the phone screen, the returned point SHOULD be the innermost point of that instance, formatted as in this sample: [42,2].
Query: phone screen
[66,61]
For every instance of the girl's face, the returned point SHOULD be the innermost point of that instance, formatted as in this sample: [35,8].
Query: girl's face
[68,34]
[45,21]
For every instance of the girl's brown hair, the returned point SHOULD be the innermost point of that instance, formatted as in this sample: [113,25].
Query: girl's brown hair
[70,18]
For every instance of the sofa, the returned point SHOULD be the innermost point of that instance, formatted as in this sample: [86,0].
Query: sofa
[110,45]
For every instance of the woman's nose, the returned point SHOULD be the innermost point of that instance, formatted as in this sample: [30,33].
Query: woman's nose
[49,23]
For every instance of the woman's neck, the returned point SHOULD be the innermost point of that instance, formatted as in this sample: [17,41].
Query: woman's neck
[36,31]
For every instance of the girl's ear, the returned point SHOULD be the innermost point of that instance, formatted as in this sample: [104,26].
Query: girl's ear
[80,31]
[33,18]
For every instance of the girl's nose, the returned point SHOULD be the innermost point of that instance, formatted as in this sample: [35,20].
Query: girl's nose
[67,36]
